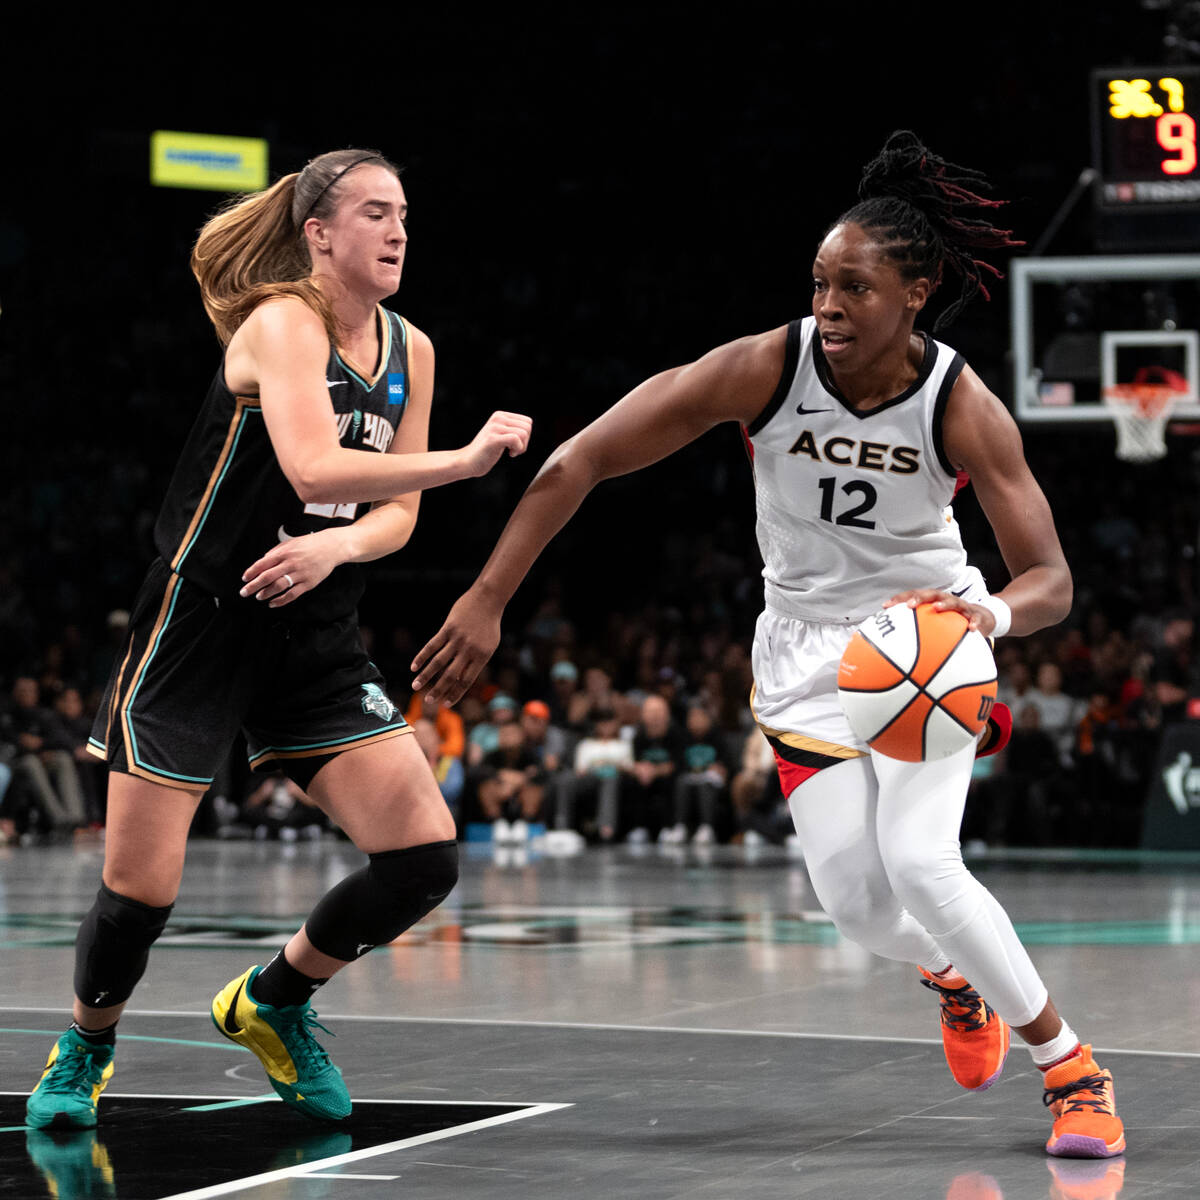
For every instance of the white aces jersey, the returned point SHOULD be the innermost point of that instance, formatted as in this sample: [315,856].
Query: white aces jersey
[852,506]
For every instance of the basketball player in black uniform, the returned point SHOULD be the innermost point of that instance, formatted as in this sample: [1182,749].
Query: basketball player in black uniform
[859,425]
[308,457]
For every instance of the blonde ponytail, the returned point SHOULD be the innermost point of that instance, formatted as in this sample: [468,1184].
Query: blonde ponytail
[254,248]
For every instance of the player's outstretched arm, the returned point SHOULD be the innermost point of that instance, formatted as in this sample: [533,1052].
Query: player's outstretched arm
[281,351]
[661,415]
[982,439]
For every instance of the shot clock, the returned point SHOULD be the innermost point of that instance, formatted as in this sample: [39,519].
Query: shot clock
[1144,136]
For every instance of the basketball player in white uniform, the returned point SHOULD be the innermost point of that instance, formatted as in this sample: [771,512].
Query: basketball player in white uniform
[859,428]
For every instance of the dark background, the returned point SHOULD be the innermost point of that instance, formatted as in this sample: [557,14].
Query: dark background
[597,193]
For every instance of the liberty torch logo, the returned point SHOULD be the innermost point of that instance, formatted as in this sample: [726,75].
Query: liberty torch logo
[376,702]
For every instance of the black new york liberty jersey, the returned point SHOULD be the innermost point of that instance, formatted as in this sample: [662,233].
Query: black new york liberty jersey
[229,501]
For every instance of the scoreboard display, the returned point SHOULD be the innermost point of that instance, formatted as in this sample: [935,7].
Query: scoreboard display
[1144,136]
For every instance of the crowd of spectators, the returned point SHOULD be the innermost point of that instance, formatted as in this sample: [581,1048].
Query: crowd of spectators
[646,735]
[617,703]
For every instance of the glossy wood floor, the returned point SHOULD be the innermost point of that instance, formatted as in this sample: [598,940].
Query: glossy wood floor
[654,1024]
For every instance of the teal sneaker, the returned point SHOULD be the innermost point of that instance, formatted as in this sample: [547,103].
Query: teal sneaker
[75,1075]
[282,1039]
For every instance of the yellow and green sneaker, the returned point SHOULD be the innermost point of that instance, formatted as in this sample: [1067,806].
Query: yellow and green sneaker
[66,1095]
[282,1039]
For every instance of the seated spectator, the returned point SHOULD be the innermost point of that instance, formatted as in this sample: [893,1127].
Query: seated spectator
[485,736]
[510,784]
[597,694]
[601,763]
[657,754]
[278,808]
[757,796]
[93,774]
[44,754]
[447,770]
[564,676]
[699,782]
[451,731]
[1058,713]
[550,744]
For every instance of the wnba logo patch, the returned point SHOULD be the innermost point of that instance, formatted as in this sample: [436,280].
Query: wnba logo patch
[396,392]
[377,703]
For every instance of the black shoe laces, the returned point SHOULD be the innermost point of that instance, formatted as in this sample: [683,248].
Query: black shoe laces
[972,1011]
[1089,1091]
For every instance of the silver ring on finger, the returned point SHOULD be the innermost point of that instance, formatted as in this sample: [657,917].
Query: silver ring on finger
[290,581]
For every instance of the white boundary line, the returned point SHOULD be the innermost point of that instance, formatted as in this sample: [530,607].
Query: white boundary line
[324,1164]
[507,1023]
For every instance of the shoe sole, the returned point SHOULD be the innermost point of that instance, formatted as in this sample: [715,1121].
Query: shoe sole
[1076,1145]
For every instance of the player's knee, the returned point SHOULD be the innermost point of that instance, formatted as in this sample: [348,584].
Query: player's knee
[378,903]
[926,879]
[112,947]
[418,878]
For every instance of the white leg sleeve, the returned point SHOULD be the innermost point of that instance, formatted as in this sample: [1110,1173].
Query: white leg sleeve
[918,817]
[834,815]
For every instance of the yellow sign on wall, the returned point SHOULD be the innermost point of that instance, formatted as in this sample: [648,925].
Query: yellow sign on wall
[207,160]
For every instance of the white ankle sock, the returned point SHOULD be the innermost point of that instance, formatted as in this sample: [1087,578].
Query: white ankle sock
[1056,1049]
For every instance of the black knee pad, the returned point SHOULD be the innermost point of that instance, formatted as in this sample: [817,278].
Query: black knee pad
[112,946]
[373,906]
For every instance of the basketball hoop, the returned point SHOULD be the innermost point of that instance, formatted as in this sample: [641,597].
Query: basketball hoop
[1140,412]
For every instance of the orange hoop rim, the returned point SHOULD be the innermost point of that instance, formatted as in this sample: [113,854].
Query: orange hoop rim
[1147,400]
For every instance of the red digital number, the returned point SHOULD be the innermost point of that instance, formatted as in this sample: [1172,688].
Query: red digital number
[1177,134]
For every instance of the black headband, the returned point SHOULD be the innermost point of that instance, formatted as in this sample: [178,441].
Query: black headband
[358,162]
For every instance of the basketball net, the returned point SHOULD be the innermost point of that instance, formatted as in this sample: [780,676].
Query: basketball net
[1140,412]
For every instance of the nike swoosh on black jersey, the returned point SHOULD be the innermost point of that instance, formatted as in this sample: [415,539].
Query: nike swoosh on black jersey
[230,1017]
[801,409]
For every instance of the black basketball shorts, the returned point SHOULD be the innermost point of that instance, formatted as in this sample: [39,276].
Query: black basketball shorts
[194,670]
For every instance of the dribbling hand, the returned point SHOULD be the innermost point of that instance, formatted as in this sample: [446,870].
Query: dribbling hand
[977,616]
[503,431]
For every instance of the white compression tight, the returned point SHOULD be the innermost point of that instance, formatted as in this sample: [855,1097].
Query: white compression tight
[880,840]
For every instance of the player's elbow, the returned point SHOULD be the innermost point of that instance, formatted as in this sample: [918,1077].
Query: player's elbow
[571,468]
[315,481]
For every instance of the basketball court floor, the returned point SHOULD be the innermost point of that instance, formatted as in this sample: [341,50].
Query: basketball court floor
[665,1025]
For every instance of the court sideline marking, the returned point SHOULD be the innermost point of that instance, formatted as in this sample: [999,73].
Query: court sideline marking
[503,1023]
[326,1164]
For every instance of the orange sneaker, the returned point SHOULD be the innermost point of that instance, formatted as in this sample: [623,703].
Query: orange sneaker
[1080,1096]
[974,1037]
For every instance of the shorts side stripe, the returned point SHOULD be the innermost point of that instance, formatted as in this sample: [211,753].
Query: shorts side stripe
[115,698]
[336,746]
[797,741]
[133,761]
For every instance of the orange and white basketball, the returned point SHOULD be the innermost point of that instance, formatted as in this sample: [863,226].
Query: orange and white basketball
[916,684]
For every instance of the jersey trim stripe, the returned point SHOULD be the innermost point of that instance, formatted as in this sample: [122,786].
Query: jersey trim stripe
[336,746]
[136,766]
[825,377]
[791,359]
[953,371]
[385,351]
[243,407]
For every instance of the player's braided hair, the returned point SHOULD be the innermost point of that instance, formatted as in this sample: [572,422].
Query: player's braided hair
[926,212]
[254,249]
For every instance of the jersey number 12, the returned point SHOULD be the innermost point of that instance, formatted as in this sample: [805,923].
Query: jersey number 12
[848,516]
